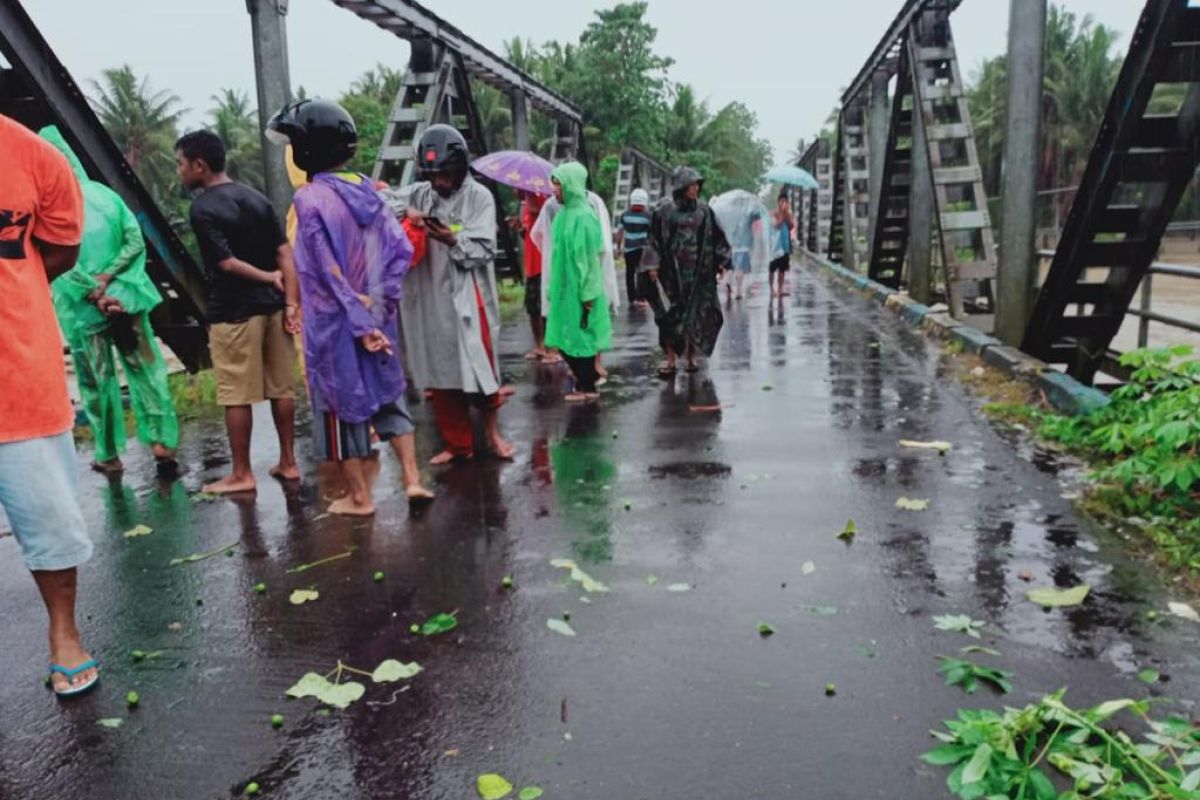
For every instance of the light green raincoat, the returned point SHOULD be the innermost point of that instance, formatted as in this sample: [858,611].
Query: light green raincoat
[577,274]
[113,244]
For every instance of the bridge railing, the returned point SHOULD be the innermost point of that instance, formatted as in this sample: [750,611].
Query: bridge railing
[1144,312]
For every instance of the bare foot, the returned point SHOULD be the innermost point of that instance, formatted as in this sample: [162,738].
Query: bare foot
[69,653]
[346,507]
[601,371]
[507,391]
[502,449]
[162,452]
[552,358]
[285,473]
[231,484]
[447,457]
[418,494]
[535,355]
[110,467]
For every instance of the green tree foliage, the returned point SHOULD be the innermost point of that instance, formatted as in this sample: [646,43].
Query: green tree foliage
[369,101]
[235,121]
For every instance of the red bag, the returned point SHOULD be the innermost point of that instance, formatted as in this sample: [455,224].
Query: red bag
[417,238]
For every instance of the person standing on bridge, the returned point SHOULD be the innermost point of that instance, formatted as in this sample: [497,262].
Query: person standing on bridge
[104,303]
[253,305]
[685,255]
[450,314]
[781,260]
[41,225]
[633,229]
[351,258]
[579,324]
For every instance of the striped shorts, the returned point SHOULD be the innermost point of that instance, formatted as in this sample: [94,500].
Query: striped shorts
[337,440]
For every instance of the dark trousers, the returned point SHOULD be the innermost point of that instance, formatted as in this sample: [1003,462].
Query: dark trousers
[584,370]
[633,260]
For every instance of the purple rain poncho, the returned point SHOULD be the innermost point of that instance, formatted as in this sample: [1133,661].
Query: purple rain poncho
[349,244]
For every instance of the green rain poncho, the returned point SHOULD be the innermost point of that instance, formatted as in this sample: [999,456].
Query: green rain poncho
[113,244]
[577,274]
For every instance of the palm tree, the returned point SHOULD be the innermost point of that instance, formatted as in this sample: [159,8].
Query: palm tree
[235,121]
[382,83]
[143,123]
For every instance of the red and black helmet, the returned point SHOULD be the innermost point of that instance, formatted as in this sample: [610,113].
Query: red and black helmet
[442,148]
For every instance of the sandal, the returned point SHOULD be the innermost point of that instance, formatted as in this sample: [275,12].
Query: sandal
[74,691]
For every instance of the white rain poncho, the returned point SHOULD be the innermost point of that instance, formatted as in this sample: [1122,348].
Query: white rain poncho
[747,226]
[542,237]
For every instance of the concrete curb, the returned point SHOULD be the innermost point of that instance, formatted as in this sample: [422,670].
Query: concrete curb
[1062,391]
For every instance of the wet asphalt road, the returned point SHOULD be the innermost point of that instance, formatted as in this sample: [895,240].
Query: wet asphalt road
[662,695]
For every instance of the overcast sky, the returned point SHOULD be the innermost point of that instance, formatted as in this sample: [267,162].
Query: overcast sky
[785,60]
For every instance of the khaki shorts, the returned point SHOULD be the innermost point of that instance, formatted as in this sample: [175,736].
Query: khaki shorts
[254,360]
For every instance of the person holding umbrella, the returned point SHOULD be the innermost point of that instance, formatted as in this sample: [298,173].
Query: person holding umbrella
[782,252]
[684,256]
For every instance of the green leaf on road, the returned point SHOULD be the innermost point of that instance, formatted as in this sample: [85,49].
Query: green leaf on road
[907,504]
[978,765]
[651,580]
[1060,598]
[111,722]
[765,630]
[192,559]
[531,793]
[391,671]
[959,623]
[974,648]
[138,530]
[338,695]
[559,626]
[589,583]
[302,596]
[1149,676]
[439,623]
[849,532]
[968,675]
[493,787]
[306,567]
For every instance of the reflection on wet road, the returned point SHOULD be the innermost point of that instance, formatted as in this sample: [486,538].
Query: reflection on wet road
[729,481]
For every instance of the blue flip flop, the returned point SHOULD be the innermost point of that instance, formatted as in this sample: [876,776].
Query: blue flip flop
[75,691]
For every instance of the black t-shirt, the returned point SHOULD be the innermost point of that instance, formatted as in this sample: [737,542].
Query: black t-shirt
[231,220]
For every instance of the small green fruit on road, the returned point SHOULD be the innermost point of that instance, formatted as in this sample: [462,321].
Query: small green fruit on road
[414,628]
[132,699]
[506,582]
[260,588]
[378,577]
[251,790]
[277,721]
[830,689]
[1151,615]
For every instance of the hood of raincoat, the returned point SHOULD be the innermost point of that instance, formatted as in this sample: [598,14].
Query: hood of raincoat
[356,191]
[572,176]
[54,136]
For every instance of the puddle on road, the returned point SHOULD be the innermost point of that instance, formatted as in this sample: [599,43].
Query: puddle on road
[691,470]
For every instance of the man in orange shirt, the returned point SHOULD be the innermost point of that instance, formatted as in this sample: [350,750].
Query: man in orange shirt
[41,224]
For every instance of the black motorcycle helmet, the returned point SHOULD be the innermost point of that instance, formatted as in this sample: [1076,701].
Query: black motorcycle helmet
[442,149]
[321,132]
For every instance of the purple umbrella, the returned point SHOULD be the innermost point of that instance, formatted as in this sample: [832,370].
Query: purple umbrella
[518,169]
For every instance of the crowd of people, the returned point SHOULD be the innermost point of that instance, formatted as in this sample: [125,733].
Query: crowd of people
[379,285]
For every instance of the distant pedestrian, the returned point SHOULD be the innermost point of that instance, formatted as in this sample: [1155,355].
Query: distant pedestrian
[351,258]
[633,231]
[103,304]
[450,314]
[41,225]
[781,260]
[531,207]
[253,305]
[684,257]
[579,324]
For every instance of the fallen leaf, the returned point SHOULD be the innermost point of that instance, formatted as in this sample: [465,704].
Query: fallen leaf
[808,568]
[849,532]
[959,623]
[306,567]
[302,596]
[589,583]
[439,623]
[1060,598]
[765,630]
[1183,611]
[111,722]
[1149,676]
[975,648]
[391,671]
[941,447]
[530,793]
[338,695]
[868,649]
[651,580]
[138,530]
[679,587]
[194,557]
[559,626]
[493,787]
[905,504]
